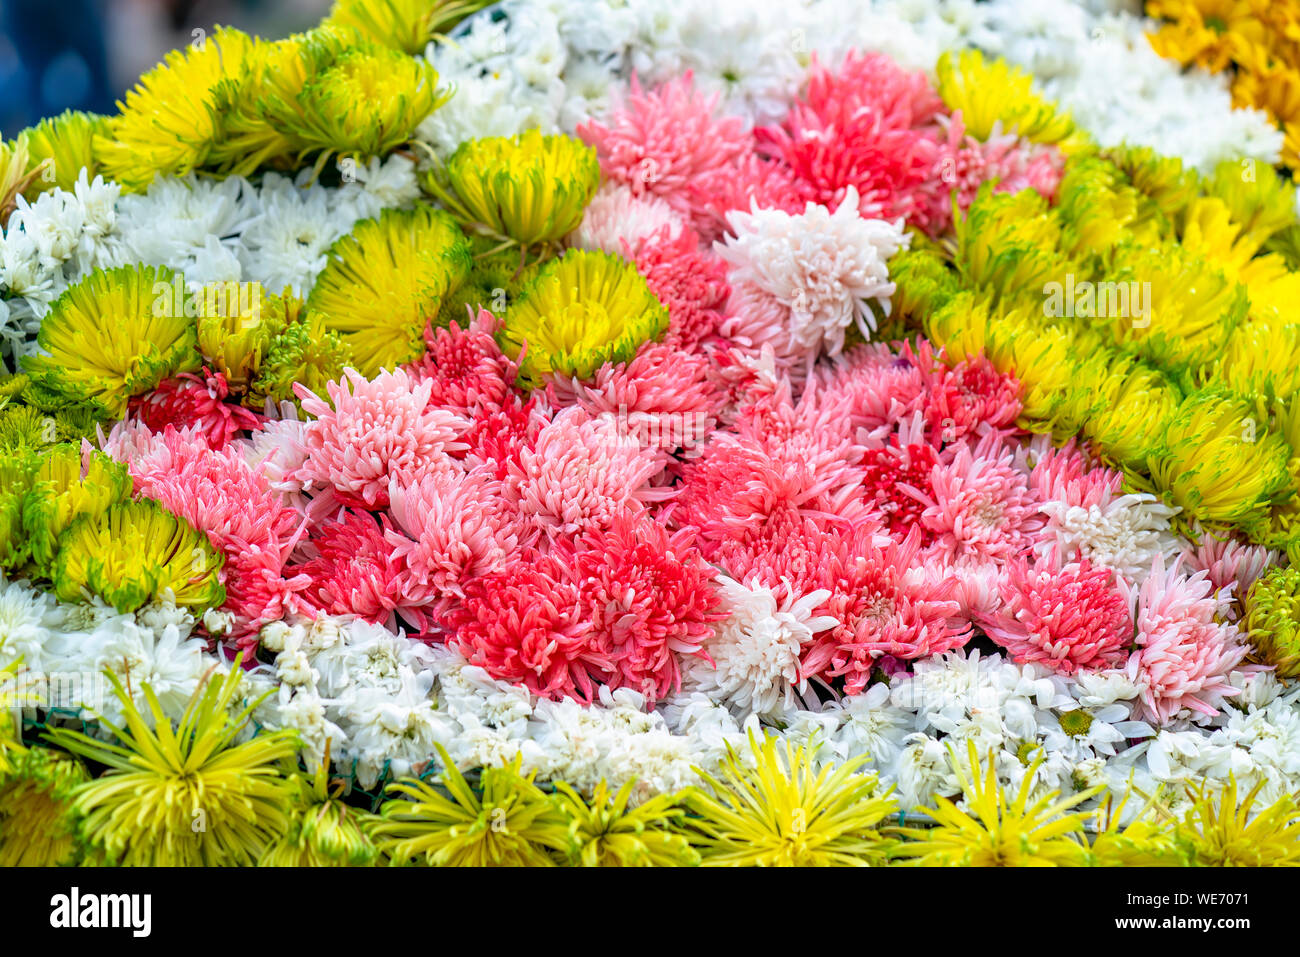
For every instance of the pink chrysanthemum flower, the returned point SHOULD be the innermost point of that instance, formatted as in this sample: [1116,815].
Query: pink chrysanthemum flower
[525,624]
[874,127]
[354,570]
[451,527]
[218,492]
[881,389]
[979,507]
[664,141]
[799,281]
[579,473]
[1018,164]
[189,401]
[663,398]
[1231,565]
[1185,654]
[619,221]
[496,437]
[752,181]
[971,398]
[886,605]
[465,368]
[1068,618]
[649,597]
[1070,476]
[370,432]
[896,477]
[690,281]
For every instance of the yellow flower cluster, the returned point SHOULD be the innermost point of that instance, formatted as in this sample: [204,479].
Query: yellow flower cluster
[1258,40]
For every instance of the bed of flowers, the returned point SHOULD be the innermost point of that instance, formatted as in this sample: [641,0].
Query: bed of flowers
[643,432]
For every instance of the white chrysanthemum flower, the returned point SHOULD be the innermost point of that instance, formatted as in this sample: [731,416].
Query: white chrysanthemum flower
[1097,689]
[170,224]
[1125,535]
[873,726]
[397,727]
[800,280]
[26,617]
[755,650]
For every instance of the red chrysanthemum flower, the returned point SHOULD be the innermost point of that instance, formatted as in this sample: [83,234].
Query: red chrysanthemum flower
[354,570]
[689,280]
[466,369]
[188,401]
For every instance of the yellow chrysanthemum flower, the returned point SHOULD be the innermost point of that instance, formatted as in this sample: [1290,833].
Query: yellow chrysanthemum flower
[186,794]
[1258,199]
[1261,360]
[406,25]
[992,93]
[235,341]
[133,553]
[37,820]
[323,831]
[1007,245]
[113,335]
[308,353]
[1209,33]
[1133,402]
[69,483]
[581,311]
[16,473]
[1098,205]
[528,188]
[1148,840]
[1272,620]
[170,120]
[511,822]
[774,809]
[1224,830]
[60,148]
[995,832]
[1218,461]
[607,833]
[1163,180]
[386,279]
[1275,89]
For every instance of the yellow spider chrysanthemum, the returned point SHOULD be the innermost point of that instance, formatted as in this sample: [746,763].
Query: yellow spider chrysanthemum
[17,176]
[1225,831]
[235,341]
[170,120]
[323,831]
[1097,204]
[783,812]
[16,472]
[133,553]
[1007,245]
[37,819]
[581,311]
[1148,840]
[511,822]
[1025,831]
[1261,359]
[992,93]
[112,336]
[1258,199]
[923,284]
[61,147]
[406,25]
[607,833]
[306,352]
[528,188]
[1163,180]
[69,483]
[386,279]
[1218,461]
[185,794]
[1133,404]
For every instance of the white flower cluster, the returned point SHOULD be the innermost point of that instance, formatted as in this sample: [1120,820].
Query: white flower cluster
[276,233]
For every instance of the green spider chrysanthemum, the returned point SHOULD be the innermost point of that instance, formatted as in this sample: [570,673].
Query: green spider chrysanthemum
[995,831]
[607,833]
[528,188]
[306,352]
[1273,620]
[37,821]
[1129,405]
[783,812]
[1218,461]
[16,474]
[171,120]
[69,484]
[112,336]
[923,284]
[323,831]
[992,92]
[581,311]
[1148,840]
[1163,180]
[185,794]
[1225,829]
[1258,198]
[405,25]
[510,822]
[1006,245]
[132,553]
[60,147]
[235,342]
[385,280]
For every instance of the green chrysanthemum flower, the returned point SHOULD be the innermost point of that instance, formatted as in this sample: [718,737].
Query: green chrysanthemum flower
[1217,461]
[510,822]
[38,822]
[306,352]
[236,342]
[1128,405]
[114,335]
[16,476]
[133,553]
[186,794]
[69,484]
[323,831]
[61,147]
[1007,246]
[581,311]
[406,25]
[607,833]
[992,92]
[923,283]
[529,188]
[1273,620]
[384,281]
[1258,198]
